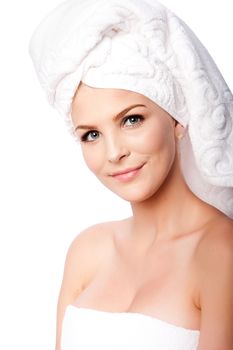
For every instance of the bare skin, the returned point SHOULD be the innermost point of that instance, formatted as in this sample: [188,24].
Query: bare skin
[164,260]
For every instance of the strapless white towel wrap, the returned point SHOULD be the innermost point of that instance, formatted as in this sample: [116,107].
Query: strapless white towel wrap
[88,329]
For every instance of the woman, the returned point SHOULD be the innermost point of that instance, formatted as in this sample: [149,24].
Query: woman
[154,119]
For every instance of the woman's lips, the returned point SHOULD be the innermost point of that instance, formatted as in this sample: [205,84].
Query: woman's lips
[128,174]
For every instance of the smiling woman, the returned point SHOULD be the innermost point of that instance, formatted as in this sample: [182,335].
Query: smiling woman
[129,146]
[154,119]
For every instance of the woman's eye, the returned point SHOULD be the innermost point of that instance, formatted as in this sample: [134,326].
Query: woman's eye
[90,136]
[133,120]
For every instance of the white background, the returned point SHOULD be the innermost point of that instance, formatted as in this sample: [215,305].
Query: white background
[47,196]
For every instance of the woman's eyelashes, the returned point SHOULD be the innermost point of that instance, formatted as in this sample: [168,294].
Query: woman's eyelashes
[133,120]
[129,121]
[90,136]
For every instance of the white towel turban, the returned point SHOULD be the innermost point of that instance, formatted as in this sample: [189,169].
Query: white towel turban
[141,46]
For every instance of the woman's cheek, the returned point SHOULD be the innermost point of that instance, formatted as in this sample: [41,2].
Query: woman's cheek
[150,140]
[92,158]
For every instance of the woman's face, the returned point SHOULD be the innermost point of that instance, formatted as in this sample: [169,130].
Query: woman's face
[127,141]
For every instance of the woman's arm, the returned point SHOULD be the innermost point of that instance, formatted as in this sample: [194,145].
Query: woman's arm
[84,256]
[72,282]
[215,269]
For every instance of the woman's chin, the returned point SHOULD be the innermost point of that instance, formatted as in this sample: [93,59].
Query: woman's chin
[135,195]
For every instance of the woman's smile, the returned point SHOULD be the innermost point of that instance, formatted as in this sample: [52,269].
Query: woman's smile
[128,174]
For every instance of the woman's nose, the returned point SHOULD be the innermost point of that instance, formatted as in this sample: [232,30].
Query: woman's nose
[116,149]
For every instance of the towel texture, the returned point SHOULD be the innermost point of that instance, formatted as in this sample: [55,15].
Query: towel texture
[141,46]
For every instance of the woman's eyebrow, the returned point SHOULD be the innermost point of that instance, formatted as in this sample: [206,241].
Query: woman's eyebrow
[116,117]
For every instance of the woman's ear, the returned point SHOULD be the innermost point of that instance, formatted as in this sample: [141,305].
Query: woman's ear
[179,130]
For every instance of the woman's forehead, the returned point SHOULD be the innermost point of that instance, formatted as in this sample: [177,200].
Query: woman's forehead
[90,101]
[87,97]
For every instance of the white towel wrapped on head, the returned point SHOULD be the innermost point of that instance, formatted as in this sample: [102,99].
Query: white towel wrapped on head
[143,47]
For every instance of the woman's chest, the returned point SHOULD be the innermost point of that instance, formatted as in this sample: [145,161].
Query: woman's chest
[159,284]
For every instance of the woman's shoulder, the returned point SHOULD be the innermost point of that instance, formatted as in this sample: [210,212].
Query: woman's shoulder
[93,234]
[91,247]
[88,250]
[96,237]
[91,242]
[214,261]
[214,252]
[216,237]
